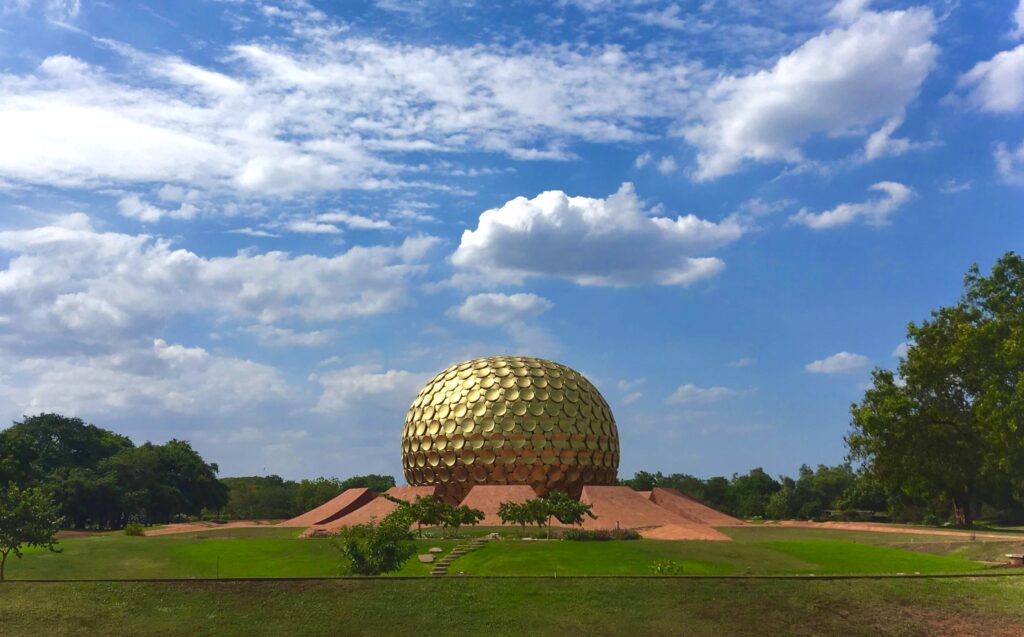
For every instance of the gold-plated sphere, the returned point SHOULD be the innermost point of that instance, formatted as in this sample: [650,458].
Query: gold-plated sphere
[509,420]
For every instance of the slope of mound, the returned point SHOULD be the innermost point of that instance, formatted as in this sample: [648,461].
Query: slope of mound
[344,503]
[686,507]
[625,508]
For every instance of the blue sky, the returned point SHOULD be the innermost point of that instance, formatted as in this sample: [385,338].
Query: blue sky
[261,226]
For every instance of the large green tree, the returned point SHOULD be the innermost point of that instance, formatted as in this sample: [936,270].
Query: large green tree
[949,425]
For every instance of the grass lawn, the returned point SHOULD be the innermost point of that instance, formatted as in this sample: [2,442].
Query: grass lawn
[206,554]
[272,552]
[453,606]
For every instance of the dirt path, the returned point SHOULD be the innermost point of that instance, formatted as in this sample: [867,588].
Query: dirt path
[889,528]
[192,527]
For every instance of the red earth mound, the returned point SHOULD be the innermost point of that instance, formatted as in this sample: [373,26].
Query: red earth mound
[685,506]
[345,503]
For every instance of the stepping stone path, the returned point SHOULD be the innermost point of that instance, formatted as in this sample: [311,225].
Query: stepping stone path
[441,567]
[435,549]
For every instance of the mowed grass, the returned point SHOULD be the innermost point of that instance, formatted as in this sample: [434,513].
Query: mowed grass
[454,606]
[201,555]
[271,552]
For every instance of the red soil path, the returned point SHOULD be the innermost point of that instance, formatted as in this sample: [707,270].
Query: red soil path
[192,527]
[893,528]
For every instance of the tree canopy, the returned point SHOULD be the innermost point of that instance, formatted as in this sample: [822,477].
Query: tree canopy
[28,517]
[948,425]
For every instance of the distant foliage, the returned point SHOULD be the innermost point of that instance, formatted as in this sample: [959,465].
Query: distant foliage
[374,549]
[101,479]
[666,567]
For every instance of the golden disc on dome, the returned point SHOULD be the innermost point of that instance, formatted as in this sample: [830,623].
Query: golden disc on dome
[527,394]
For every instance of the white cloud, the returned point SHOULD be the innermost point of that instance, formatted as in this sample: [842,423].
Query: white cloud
[997,85]
[631,398]
[500,309]
[743,362]
[273,336]
[690,394]
[667,165]
[901,350]
[643,160]
[68,284]
[1010,163]
[364,386]
[311,227]
[356,222]
[874,212]
[840,363]
[952,186]
[864,71]
[608,242]
[1018,21]
[282,120]
[133,207]
[155,380]
[881,143]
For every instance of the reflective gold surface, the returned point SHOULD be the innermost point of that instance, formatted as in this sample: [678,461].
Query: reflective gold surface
[509,420]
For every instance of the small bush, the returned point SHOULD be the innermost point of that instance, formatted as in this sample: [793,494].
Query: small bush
[666,567]
[583,535]
[930,520]
[133,529]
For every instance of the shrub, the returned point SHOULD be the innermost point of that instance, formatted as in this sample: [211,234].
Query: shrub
[133,529]
[368,549]
[583,535]
[666,567]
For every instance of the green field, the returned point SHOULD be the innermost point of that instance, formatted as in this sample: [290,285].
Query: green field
[271,552]
[458,606]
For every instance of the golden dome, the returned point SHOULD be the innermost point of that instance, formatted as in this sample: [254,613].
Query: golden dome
[509,420]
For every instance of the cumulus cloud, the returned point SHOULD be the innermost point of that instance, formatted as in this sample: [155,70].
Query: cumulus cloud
[866,70]
[690,394]
[355,222]
[361,386]
[667,165]
[840,363]
[743,362]
[996,85]
[1010,163]
[901,350]
[874,212]
[500,309]
[70,283]
[274,336]
[134,207]
[1018,21]
[606,242]
[161,378]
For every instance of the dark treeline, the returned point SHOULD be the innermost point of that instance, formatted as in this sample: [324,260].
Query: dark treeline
[272,497]
[827,492]
[101,479]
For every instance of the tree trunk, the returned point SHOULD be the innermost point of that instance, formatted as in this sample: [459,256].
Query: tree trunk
[962,514]
[3,563]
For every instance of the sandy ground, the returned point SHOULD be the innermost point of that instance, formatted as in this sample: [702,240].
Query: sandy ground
[192,527]
[684,532]
[890,528]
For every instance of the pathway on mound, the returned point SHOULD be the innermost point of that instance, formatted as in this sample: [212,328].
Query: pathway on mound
[886,528]
[685,506]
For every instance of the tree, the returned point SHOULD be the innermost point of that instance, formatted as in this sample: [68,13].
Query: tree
[950,425]
[372,549]
[567,510]
[454,517]
[515,513]
[28,517]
